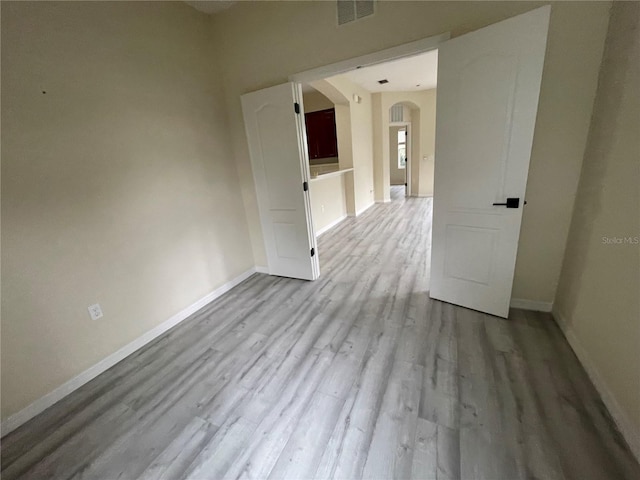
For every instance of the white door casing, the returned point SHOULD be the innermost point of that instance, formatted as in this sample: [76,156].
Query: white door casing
[488,88]
[277,146]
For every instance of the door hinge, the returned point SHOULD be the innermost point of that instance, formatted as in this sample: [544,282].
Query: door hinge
[296,107]
[305,186]
[313,252]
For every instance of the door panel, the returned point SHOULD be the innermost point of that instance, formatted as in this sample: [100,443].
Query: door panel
[488,88]
[277,147]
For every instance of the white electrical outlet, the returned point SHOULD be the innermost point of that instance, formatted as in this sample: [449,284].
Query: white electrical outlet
[95,311]
[322,208]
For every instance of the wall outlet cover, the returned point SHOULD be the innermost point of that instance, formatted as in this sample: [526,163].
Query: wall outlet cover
[95,311]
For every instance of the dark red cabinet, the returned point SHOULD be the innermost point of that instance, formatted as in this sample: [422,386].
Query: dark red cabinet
[321,134]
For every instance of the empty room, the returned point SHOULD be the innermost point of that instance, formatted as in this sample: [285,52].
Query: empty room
[320,240]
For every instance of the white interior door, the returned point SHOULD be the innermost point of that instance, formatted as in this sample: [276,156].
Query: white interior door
[274,122]
[488,88]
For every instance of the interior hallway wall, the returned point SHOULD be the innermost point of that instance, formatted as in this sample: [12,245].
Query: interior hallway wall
[265,43]
[420,110]
[315,101]
[598,301]
[119,186]
[361,133]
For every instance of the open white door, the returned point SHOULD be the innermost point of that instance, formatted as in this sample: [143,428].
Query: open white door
[488,88]
[276,135]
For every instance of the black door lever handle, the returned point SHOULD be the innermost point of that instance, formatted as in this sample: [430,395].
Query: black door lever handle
[510,203]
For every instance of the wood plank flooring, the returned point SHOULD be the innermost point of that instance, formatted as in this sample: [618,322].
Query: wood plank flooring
[357,375]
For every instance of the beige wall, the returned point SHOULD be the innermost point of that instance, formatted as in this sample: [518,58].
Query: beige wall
[396,175]
[328,200]
[260,53]
[314,101]
[118,184]
[598,299]
[345,152]
[416,150]
[360,116]
[343,107]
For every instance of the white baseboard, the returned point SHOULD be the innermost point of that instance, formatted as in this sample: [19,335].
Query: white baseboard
[383,201]
[627,428]
[362,210]
[30,411]
[330,226]
[534,305]
[260,269]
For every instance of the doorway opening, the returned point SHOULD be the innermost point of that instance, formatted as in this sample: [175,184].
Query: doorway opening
[488,105]
[399,153]
[370,107]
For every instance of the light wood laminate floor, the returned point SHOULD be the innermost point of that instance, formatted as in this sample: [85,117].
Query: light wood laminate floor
[356,375]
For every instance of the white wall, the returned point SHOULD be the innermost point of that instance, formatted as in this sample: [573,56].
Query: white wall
[119,186]
[598,299]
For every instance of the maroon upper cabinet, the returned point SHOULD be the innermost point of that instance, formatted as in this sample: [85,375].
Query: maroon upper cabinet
[321,133]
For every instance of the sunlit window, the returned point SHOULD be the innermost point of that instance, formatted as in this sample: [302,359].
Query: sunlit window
[402,148]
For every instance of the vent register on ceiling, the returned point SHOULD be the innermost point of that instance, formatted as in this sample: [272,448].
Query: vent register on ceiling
[351,10]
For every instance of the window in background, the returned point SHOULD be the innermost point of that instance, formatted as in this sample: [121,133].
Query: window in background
[402,148]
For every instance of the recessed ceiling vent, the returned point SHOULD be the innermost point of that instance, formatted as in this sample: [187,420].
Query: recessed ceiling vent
[351,10]
[383,81]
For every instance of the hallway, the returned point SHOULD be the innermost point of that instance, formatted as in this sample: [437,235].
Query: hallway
[356,375]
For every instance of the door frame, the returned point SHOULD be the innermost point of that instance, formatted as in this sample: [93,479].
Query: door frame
[405,50]
[409,147]
[394,53]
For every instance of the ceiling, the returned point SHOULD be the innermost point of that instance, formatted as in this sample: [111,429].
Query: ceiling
[211,6]
[407,74]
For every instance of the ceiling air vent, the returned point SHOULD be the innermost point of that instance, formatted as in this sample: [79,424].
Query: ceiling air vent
[364,8]
[350,10]
[383,81]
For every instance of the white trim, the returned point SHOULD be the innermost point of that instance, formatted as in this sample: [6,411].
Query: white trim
[387,200]
[535,305]
[336,173]
[330,226]
[626,427]
[41,404]
[362,210]
[401,51]
[260,269]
